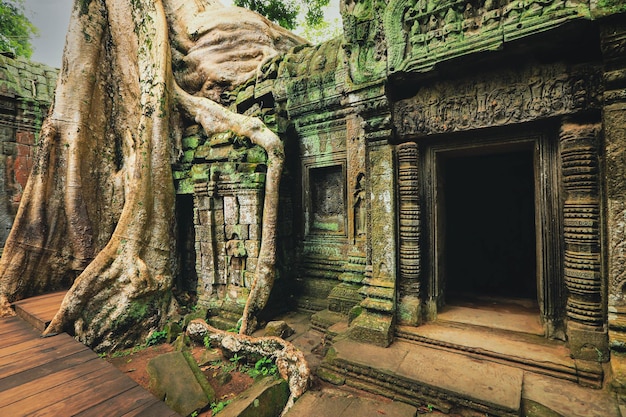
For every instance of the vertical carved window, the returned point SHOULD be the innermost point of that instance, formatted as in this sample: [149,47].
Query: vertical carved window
[327,199]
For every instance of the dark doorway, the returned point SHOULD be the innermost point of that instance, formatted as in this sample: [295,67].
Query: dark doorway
[489,236]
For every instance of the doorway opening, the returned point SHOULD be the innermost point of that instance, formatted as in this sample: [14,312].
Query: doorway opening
[488,235]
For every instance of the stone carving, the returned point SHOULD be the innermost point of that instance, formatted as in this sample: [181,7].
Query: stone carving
[581,220]
[432,31]
[236,255]
[365,46]
[408,190]
[486,100]
[360,211]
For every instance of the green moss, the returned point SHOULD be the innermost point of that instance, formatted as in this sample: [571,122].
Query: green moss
[197,372]
[83,5]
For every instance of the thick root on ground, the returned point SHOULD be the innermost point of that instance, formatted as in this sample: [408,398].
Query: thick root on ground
[290,361]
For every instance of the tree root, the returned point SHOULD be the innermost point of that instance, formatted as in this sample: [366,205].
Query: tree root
[290,361]
[216,118]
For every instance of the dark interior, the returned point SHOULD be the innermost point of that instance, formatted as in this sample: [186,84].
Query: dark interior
[489,225]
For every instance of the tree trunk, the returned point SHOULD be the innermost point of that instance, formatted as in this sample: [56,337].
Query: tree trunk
[97,214]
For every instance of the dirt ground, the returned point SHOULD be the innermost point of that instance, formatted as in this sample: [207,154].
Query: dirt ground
[133,362]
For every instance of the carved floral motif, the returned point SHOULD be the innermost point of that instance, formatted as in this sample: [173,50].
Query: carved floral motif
[486,100]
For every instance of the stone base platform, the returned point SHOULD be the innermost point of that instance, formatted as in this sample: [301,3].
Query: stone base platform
[451,382]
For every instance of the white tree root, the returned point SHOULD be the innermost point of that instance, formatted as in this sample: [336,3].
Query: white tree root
[290,361]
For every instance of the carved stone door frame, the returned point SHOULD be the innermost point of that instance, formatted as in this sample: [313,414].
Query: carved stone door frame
[548,217]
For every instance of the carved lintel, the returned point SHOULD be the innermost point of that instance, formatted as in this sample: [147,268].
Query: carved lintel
[581,221]
[487,99]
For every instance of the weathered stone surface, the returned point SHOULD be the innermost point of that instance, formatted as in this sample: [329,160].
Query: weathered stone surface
[278,328]
[455,375]
[172,381]
[266,398]
[567,399]
[335,403]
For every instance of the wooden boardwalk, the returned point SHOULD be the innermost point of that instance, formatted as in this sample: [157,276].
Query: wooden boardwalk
[58,376]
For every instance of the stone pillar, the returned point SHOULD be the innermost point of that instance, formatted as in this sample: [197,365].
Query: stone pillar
[586,332]
[613,43]
[207,232]
[375,323]
[409,304]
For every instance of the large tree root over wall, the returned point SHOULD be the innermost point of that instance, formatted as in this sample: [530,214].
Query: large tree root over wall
[97,214]
[290,361]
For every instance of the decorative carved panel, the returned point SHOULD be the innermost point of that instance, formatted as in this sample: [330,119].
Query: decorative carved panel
[490,99]
[581,213]
[431,31]
[408,190]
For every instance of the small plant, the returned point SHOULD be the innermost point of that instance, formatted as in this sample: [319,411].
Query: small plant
[236,359]
[156,337]
[217,407]
[206,341]
[263,367]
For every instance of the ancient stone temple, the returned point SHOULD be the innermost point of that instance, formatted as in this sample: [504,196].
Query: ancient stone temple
[448,162]
[26,91]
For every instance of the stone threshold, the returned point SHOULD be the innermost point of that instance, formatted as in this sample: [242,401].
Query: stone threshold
[420,375]
[528,352]
[450,381]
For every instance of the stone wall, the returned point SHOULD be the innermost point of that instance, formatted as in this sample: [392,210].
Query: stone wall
[26,91]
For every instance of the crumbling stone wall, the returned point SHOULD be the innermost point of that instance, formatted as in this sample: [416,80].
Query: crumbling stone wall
[26,91]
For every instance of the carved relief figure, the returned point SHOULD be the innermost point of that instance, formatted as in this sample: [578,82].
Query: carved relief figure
[360,215]
[236,261]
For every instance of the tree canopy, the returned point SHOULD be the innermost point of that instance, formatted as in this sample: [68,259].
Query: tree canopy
[15,29]
[285,12]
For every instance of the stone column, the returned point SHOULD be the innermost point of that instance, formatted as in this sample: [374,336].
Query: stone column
[409,212]
[613,43]
[586,332]
[375,323]
[207,259]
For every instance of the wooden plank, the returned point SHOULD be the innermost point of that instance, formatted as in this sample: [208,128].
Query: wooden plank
[9,330]
[29,344]
[19,336]
[45,356]
[59,295]
[133,399]
[39,311]
[43,306]
[34,397]
[65,376]
[157,409]
[111,385]
[31,374]
[11,324]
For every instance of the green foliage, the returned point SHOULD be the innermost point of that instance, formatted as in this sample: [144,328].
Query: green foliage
[217,407]
[263,367]
[285,12]
[321,32]
[236,359]
[15,29]
[156,337]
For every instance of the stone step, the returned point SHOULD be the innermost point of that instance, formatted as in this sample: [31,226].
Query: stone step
[448,381]
[421,375]
[525,351]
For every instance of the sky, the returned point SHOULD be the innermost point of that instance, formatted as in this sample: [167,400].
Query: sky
[52,17]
